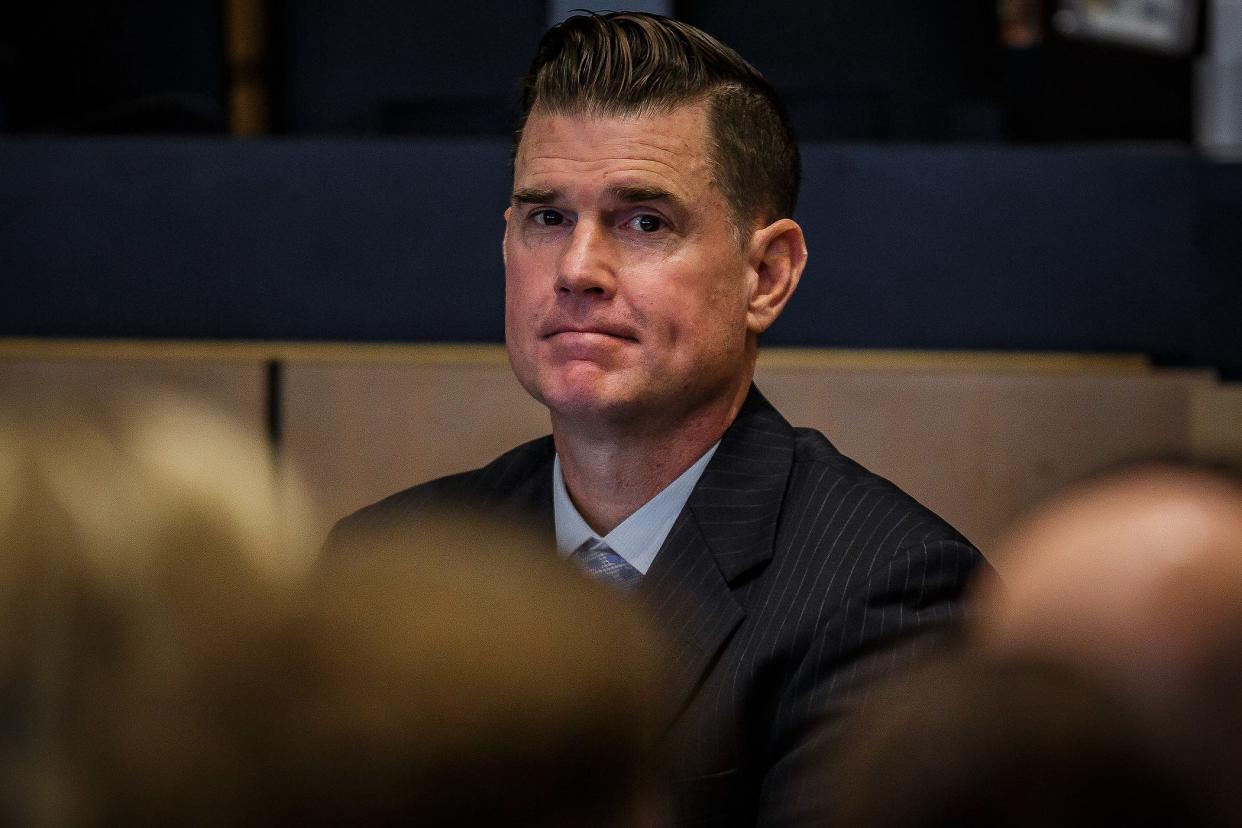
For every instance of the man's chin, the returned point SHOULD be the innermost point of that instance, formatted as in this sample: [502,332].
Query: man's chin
[586,405]
[587,400]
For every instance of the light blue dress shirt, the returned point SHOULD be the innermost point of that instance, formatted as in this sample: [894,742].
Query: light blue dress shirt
[639,537]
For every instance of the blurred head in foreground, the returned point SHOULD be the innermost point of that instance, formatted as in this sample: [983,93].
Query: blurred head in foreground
[1138,572]
[1136,578]
[169,656]
[478,677]
[1098,685]
[144,567]
[972,740]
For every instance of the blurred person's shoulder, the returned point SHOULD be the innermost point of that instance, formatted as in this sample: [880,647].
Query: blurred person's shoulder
[517,484]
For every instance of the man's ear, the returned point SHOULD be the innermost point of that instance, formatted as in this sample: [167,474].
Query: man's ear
[504,238]
[777,257]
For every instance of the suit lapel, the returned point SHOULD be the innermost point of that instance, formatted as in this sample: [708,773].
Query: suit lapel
[517,487]
[726,529]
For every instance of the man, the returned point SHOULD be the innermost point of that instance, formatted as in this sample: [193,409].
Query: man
[648,244]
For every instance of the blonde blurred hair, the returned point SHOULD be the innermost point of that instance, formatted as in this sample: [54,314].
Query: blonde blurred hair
[169,655]
[147,547]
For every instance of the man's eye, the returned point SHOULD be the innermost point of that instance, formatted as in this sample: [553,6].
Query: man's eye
[648,223]
[548,218]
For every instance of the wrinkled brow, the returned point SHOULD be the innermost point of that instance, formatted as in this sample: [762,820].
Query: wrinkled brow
[532,195]
[641,193]
[634,194]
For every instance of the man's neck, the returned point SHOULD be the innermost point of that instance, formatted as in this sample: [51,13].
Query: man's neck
[611,471]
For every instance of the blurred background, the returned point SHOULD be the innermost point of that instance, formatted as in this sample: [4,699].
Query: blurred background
[1023,217]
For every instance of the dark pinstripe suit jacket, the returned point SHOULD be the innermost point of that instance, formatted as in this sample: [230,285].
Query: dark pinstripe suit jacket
[792,575]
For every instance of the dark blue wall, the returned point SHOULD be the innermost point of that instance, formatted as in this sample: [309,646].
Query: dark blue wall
[998,248]
[1133,249]
[395,66]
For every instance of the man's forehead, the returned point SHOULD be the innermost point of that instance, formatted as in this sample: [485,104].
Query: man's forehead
[588,135]
[622,153]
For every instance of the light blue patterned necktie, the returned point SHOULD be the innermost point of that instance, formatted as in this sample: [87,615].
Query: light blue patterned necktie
[601,563]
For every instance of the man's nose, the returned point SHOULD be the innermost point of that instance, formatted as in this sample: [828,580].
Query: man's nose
[587,265]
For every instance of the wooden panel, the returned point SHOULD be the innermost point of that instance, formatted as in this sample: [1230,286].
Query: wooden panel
[974,436]
[394,353]
[359,432]
[979,448]
[1216,431]
[975,447]
[236,387]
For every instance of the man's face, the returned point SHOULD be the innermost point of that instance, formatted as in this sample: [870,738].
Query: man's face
[625,290]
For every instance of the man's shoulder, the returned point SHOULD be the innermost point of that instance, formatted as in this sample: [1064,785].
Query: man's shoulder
[518,480]
[834,486]
[823,501]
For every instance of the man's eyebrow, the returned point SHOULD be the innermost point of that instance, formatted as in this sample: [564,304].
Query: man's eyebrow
[639,193]
[533,195]
[632,194]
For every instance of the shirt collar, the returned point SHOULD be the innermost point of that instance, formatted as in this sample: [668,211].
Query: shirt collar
[639,537]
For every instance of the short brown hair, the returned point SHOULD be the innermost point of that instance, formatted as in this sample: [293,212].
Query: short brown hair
[633,63]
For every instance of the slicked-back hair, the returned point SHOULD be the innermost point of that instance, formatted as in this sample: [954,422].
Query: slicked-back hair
[629,63]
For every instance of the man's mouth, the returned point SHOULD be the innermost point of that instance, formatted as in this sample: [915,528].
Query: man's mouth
[587,331]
